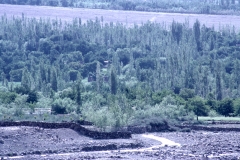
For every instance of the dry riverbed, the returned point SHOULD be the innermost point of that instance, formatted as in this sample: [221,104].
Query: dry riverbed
[36,143]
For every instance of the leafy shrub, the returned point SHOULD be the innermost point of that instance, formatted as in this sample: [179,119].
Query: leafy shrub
[113,116]
[63,106]
[187,93]
[7,97]
[212,113]
[167,109]
[101,117]
[226,107]
[6,111]
[67,93]
[157,97]
[43,102]
[199,107]
[32,95]
[16,75]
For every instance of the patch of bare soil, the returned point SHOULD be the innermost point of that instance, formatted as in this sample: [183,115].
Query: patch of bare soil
[23,142]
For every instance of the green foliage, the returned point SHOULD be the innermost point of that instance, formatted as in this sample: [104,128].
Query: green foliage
[101,117]
[45,46]
[113,82]
[157,97]
[187,93]
[127,72]
[16,75]
[198,106]
[89,68]
[226,107]
[67,93]
[7,97]
[197,34]
[25,81]
[213,113]
[54,82]
[176,29]
[167,110]
[236,105]
[32,95]
[73,74]
[130,93]
[78,97]
[63,106]
[218,86]
[147,63]
[211,102]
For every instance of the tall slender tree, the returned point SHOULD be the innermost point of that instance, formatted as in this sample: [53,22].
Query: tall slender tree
[25,82]
[54,82]
[218,83]
[78,97]
[113,82]
[98,76]
[196,30]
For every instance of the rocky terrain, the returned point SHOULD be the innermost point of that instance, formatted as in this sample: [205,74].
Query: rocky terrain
[27,142]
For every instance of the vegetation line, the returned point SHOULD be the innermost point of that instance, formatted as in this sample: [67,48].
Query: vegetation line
[116,76]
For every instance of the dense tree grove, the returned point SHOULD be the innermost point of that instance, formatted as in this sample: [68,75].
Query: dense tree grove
[97,68]
[180,6]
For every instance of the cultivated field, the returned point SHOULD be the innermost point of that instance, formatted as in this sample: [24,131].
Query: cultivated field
[128,18]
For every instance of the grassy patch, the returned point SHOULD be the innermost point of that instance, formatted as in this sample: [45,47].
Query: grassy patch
[219,118]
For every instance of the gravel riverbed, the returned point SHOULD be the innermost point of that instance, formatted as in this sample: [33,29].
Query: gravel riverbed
[36,143]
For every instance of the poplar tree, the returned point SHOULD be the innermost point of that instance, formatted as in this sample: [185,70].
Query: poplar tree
[98,76]
[43,73]
[113,82]
[25,82]
[78,97]
[176,29]
[54,82]
[218,84]
[236,74]
[196,30]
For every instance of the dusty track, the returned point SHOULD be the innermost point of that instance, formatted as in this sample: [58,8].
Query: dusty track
[128,18]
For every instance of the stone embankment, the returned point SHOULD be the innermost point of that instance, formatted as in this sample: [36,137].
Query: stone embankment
[74,126]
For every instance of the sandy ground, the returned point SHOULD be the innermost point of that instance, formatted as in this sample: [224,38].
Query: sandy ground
[37,143]
[128,18]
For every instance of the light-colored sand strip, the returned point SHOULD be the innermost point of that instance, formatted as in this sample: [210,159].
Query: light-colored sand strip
[13,128]
[164,141]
